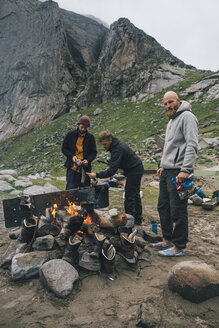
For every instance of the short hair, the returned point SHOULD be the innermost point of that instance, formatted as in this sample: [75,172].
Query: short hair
[104,135]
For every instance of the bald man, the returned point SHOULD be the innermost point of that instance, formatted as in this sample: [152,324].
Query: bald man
[178,160]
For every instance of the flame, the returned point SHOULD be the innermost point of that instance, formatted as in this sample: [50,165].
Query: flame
[88,219]
[73,209]
[53,210]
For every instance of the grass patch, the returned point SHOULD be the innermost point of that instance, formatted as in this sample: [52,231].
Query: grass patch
[40,150]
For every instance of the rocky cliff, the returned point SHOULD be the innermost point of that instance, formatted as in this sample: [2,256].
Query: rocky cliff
[46,55]
[53,61]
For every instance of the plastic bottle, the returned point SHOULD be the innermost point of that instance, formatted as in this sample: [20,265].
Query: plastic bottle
[184,189]
[154,226]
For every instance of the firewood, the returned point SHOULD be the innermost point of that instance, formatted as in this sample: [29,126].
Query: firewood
[107,221]
[90,228]
[63,215]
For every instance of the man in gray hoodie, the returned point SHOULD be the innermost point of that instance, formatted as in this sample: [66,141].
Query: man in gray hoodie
[178,160]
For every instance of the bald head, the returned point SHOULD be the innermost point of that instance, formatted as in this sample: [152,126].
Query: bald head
[171,94]
[171,102]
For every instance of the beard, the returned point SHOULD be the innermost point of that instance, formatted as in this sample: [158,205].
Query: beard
[171,112]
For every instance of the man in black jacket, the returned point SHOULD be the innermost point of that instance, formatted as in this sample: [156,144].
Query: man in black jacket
[122,157]
[79,146]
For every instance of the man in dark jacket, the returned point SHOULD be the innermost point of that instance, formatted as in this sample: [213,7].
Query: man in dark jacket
[79,146]
[122,157]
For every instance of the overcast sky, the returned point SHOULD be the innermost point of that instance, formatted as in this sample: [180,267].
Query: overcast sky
[188,28]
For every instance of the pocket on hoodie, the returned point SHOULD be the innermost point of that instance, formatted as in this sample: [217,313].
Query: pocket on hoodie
[176,156]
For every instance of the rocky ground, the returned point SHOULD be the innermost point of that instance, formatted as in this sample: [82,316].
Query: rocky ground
[129,297]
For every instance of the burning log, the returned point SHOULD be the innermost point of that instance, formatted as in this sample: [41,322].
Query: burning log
[107,221]
[63,215]
[71,223]
[90,228]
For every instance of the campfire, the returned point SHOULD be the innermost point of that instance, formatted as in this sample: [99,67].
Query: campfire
[74,231]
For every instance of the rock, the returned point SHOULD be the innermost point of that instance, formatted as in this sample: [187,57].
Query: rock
[7,177]
[67,62]
[4,186]
[14,248]
[140,241]
[149,315]
[84,62]
[199,86]
[154,184]
[16,192]
[10,172]
[58,276]
[48,229]
[27,265]
[43,243]
[145,255]
[196,200]
[97,111]
[113,212]
[194,281]
[89,263]
[130,221]
[35,190]
[212,93]
[23,183]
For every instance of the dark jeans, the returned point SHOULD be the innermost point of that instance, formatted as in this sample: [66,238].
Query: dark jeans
[132,202]
[172,211]
[73,180]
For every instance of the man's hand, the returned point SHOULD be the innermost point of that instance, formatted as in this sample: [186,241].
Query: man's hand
[91,175]
[181,177]
[159,171]
[84,162]
[74,159]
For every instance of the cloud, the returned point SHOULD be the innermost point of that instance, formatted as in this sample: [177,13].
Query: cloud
[188,28]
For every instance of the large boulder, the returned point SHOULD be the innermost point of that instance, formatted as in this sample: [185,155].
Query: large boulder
[194,281]
[59,277]
[27,265]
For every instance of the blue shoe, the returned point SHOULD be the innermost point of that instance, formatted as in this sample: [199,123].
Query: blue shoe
[160,245]
[168,252]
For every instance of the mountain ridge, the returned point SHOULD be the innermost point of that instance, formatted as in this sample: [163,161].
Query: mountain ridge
[54,61]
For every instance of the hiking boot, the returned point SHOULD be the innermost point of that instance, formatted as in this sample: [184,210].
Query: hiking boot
[126,246]
[108,254]
[71,252]
[27,231]
[74,224]
[98,239]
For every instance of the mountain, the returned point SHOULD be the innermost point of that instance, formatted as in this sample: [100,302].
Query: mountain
[46,56]
[54,61]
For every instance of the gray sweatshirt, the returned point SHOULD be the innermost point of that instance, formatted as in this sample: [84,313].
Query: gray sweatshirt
[181,140]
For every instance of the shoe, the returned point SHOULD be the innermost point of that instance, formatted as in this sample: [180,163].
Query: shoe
[74,224]
[160,245]
[27,231]
[169,252]
[98,240]
[126,246]
[108,255]
[71,252]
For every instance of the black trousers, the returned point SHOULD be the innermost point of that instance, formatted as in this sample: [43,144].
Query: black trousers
[73,180]
[132,202]
[172,211]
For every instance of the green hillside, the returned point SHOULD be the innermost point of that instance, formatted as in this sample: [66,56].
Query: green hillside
[40,150]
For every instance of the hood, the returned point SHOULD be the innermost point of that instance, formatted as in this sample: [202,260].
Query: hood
[113,144]
[184,106]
